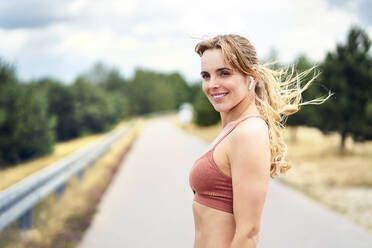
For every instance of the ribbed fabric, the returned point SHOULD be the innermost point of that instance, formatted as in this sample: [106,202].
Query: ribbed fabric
[211,186]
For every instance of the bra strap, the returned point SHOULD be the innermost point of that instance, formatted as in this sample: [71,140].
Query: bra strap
[233,127]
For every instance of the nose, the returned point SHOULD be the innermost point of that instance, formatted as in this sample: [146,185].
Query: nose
[213,83]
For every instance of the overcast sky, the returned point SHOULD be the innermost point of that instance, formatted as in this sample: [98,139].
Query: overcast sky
[63,38]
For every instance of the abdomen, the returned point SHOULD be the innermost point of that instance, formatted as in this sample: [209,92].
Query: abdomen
[213,228]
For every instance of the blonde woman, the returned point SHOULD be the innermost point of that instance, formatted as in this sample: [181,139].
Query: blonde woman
[230,180]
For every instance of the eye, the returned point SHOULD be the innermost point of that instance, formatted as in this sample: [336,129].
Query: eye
[225,73]
[205,76]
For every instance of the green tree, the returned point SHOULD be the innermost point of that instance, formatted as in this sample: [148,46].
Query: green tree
[179,87]
[94,109]
[204,113]
[7,80]
[162,97]
[27,130]
[117,87]
[307,115]
[347,72]
[61,104]
[152,92]
[140,88]
[60,101]
[98,73]
[7,73]
[112,88]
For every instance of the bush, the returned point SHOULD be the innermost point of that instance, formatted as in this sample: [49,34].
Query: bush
[204,113]
[26,129]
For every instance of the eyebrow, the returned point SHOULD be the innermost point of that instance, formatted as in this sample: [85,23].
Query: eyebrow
[219,69]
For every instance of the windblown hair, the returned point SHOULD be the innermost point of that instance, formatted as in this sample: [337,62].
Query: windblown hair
[277,92]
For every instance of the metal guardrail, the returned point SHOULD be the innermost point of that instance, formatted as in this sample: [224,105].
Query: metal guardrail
[17,201]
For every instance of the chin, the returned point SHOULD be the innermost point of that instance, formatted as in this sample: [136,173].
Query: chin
[220,109]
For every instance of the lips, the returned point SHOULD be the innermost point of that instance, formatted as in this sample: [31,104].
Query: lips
[219,96]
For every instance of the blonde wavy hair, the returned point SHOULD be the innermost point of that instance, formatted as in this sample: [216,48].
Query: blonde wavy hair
[278,92]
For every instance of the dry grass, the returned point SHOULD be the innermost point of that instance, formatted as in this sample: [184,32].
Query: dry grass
[63,224]
[206,133]
[14,174]
[342,182]
[316,159]
[11,175]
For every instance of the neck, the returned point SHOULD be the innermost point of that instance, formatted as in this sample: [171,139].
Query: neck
[239,111]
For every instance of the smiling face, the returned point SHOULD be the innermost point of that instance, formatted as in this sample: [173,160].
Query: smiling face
[225,87]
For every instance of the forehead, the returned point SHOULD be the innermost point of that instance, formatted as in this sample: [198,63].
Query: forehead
[213,59]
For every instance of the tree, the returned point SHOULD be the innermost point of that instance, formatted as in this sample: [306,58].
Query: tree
[98,73]
[117,87]
[7,73]
[347,72]
[179,87]
[27,130]
[61,105]
[140,89]
[106,90]
[204,113]
[94,109]
[152,92]
[307,115]
[194,88]
[7,80]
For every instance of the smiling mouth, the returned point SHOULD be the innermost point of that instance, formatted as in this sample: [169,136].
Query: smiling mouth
[219,96]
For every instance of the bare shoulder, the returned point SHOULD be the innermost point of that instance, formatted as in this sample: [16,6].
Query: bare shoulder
[249,142]
[251,129]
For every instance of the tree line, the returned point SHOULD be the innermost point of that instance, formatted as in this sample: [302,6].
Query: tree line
[34,115]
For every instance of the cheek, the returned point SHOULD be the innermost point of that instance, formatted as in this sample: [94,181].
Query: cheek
[204,89]
[242,87]
[239,92]
[243,92]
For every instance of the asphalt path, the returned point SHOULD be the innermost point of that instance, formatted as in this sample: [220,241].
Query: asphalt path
[149,203]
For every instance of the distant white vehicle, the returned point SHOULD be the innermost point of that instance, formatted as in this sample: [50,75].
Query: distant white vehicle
[185,114]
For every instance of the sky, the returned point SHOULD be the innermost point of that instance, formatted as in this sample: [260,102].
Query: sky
[64,38]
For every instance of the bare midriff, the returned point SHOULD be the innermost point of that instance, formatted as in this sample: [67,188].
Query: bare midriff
[213,228]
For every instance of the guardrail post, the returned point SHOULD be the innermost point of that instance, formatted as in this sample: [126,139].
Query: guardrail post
[60,189]
[25,221]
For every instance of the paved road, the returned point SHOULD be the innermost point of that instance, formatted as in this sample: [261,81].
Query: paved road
[149,203]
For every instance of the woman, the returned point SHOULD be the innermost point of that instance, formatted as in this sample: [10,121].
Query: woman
[230,180]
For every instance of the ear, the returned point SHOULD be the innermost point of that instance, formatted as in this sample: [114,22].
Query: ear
[255,75]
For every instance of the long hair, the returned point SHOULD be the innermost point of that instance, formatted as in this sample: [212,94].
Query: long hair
[277,92]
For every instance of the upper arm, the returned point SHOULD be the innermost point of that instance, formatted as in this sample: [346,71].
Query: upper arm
[249,157]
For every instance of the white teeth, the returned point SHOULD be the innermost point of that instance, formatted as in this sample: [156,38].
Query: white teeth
[219,96]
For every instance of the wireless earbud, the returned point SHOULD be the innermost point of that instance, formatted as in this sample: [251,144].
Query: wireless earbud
[251,83]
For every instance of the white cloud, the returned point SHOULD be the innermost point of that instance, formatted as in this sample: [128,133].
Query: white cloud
[12,42]
[159,34]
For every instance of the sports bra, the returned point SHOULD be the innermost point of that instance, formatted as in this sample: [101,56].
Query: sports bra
[211,186]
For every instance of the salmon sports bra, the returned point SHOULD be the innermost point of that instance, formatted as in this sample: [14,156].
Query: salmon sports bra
[211,186]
